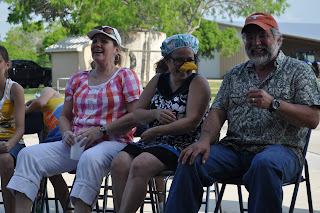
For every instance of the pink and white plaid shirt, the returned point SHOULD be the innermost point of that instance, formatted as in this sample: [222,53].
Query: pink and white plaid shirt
[98,105]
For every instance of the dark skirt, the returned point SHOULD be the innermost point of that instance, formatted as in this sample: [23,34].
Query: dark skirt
[167,157]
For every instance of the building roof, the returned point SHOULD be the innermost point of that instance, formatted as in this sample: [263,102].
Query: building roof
[306,31]
[69,44]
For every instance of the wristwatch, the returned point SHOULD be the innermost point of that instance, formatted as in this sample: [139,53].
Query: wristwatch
[275,104]
[103,129]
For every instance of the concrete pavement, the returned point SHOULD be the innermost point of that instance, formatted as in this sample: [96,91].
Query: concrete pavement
[230,200]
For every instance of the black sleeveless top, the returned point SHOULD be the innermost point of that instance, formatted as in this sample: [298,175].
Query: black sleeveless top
[176,101]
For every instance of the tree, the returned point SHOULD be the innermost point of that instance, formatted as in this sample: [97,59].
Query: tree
[211,38]
[27,42]
[23,43]
[169,16]
[54,33]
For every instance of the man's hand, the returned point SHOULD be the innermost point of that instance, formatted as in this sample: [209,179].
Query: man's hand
[259,98]
[193,151]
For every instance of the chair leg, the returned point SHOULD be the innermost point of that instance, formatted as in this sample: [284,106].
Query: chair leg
[240,198]
[207,200]
[56,203]
[105,194]
[141,208]
[45,201]
[306,171]
[216,193]
[218,203]
[41,198]
[97,207]
[165,192]
[68,200]
[153,196]
[295,192]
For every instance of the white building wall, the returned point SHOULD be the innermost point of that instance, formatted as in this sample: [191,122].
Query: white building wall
[64,64]
[210,68]
[143,52]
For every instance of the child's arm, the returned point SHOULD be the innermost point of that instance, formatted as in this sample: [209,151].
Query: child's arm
[17,97]
[46,94]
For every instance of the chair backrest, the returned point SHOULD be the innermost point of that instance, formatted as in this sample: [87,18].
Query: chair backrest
[306,145]
[304,153]
[300,178]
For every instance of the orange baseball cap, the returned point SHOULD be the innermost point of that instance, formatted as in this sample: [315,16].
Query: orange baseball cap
[263,20]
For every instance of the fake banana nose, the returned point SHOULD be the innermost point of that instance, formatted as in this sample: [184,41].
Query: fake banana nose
[188,66]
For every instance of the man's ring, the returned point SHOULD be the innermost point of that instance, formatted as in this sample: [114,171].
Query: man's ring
[252,100]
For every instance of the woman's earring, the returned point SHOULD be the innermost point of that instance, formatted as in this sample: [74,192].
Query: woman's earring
[117,58]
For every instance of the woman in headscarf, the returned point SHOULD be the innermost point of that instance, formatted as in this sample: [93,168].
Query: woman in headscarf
[174,105]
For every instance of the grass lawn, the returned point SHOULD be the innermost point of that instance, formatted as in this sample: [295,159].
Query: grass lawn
[29,93]
[214,86]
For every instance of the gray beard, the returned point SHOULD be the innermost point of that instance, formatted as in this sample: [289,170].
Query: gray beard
[265,59]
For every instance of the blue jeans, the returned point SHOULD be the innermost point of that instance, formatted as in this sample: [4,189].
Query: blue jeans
[263,174]
[15,151]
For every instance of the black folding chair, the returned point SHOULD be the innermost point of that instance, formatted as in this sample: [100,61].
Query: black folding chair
[102,196]
[154,192]
[299,178]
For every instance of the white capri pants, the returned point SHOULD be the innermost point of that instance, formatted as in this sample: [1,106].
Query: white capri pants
[48,159]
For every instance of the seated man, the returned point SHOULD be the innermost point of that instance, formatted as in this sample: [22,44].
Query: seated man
[50,103]
[269,102]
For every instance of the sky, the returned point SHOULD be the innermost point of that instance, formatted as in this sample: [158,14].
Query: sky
[300,11]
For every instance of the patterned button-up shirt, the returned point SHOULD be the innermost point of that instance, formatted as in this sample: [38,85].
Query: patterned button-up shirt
[251,128]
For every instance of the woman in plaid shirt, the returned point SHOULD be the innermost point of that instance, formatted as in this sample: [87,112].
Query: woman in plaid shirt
[98,109]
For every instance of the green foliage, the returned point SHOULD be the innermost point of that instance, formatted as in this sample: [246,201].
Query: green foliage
[169,16]
[55,33]
[243,8]
[26,43]
[211,38]
[21,44]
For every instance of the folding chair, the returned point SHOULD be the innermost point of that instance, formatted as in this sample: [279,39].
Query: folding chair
[34,124]
[105,195]
[154,193]
[42,200]
[1,202]
[299,178]
[102,197]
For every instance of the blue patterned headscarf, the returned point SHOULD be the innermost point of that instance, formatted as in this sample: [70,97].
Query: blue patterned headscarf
[179,41]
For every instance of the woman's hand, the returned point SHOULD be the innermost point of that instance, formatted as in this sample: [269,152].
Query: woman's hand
[165,116]
[68,138]
[150,134]
[5,147]
[91,134]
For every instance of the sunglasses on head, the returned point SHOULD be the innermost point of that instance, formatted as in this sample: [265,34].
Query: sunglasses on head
[108,30]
